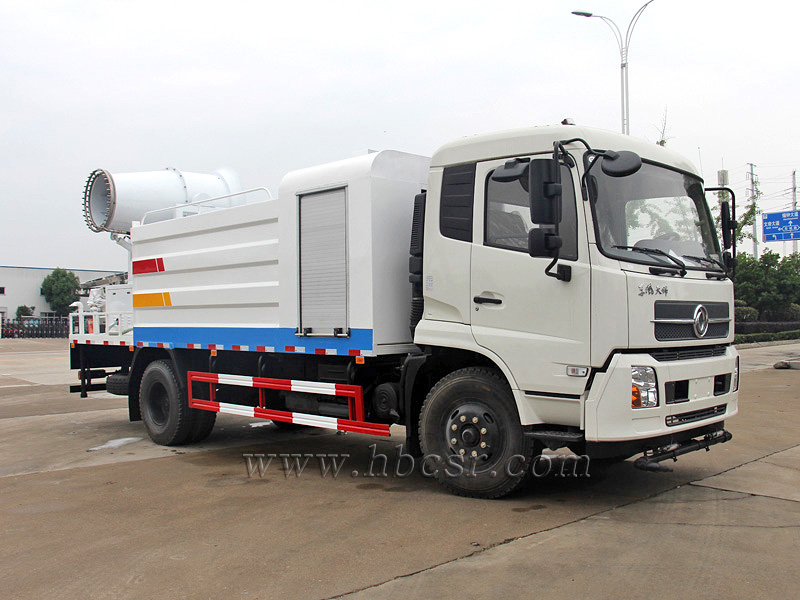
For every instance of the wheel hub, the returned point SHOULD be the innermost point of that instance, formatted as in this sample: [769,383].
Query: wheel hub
[472,432]
[158,404]
[470,435]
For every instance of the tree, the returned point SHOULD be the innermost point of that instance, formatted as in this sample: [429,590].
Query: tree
[24,311]
[745,220]
[662,130]
[60,289]
[769,283]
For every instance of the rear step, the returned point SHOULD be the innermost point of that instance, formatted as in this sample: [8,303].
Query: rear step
[651,459]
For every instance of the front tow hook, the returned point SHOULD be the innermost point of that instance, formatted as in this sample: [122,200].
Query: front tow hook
[651,459]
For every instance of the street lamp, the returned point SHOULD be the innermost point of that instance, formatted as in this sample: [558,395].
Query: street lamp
[623,43]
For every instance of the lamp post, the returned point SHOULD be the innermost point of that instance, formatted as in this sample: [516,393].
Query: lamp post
[623,43]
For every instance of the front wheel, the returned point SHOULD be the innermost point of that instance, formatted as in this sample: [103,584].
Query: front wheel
[471,435]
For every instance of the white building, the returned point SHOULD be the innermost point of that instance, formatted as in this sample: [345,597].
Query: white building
[22,286]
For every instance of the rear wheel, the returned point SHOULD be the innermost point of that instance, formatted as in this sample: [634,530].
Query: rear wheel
[117,383]
[471,435]
[203,425]
[164,407]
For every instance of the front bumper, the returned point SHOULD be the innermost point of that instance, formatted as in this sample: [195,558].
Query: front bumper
[610,418]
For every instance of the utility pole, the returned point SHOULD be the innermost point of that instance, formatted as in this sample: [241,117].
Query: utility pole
[752,177]
[794,205]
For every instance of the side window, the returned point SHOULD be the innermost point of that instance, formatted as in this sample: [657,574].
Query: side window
[508,217]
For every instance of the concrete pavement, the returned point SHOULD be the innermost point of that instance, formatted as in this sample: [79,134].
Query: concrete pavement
[734,534]
[763,356]
[82,518]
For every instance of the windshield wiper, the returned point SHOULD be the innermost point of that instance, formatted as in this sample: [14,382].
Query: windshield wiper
[656,252]
[705,259]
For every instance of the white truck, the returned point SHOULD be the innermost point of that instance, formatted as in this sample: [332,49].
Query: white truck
[567,290]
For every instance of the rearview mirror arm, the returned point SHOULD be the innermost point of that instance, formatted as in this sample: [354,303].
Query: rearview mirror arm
[563,272]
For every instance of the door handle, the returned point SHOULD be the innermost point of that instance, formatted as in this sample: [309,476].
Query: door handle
[485,300]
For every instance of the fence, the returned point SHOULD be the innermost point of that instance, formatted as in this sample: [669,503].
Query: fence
[35,327]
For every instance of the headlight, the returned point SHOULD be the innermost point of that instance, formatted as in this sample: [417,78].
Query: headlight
[644,387]
[735,382]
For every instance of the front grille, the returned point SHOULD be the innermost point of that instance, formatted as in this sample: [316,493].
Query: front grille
[696,415]
[670,354]
[673,309]
[666,332]
[667,312]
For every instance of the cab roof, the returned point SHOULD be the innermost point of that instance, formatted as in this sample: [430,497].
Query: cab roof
[536,140]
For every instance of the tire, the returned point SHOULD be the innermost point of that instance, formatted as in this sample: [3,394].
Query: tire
[164,407]
[118,384]
[203,425]
[474,406]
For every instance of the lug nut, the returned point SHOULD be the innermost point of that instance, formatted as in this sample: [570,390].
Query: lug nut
[463,419]
[461,452]
[474,419]
[483,430]
[483,444]
[454,441]
[454,427]
[474,453]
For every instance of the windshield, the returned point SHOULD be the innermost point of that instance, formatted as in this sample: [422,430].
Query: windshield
[654,216]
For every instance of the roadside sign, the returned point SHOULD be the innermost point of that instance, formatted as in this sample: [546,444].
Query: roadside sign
[778,227]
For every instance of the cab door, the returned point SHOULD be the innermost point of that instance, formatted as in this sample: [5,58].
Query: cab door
[536,324]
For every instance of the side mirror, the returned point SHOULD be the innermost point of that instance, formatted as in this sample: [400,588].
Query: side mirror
[725,213]
[620,164]
[514,169]
[543,243]
[544,185]
[728,261]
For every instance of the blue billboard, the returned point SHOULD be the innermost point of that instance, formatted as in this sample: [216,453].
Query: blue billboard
[778,227]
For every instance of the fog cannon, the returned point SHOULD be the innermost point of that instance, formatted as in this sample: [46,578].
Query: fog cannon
[112,202]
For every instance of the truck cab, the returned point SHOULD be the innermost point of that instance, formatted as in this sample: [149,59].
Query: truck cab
[632,347]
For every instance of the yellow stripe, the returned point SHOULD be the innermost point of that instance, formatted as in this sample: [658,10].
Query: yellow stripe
[167,299]
[148,300]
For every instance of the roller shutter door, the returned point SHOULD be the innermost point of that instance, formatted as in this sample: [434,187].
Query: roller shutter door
[323,263]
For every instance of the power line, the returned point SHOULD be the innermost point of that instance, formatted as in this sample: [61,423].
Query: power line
[777,165]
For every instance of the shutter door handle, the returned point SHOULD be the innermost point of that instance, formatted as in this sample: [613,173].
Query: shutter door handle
[485,300]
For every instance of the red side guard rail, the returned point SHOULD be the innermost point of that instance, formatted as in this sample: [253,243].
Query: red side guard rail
[354,393]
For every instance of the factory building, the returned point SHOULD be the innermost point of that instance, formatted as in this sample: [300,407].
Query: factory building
[22,286]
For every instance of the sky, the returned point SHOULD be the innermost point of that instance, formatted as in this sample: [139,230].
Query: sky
[266,88]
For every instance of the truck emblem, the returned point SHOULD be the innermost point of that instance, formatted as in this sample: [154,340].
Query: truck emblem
[649,290]
[700,321]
